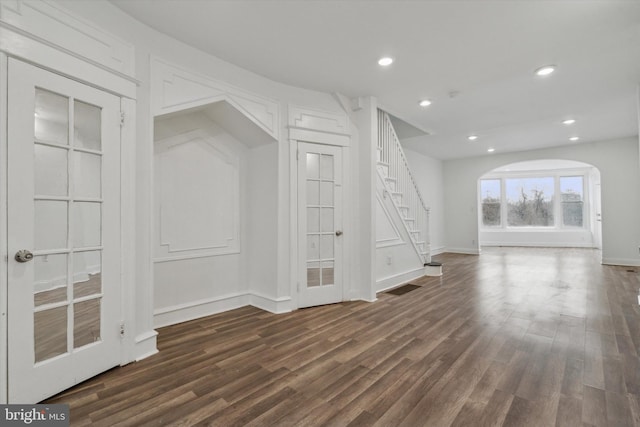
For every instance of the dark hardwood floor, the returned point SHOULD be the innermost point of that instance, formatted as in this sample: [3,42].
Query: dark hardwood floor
[514,337]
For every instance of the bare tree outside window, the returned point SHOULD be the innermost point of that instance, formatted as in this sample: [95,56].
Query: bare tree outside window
[530,202]
[490,193]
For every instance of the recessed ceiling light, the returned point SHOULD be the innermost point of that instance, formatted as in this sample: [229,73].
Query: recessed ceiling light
[546,70]
[424,103]
[385,61]
[491,150]
[574,138]
[568,122]
[472,137]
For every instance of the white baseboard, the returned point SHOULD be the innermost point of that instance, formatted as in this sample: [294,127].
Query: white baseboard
[206,307]
[467,251]
[437,251]
[628,262]
[146,345]
[539,244]
[398,279]
[276,306]
[193,310]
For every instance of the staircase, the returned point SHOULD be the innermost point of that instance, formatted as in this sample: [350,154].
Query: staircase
[400,185]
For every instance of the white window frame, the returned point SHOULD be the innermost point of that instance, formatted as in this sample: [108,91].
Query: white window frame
[556,174]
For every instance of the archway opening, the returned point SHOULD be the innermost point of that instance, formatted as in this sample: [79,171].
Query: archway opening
[540,203]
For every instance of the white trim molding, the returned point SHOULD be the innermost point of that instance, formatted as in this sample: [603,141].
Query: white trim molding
[176,89]
[390,282]
[49,23]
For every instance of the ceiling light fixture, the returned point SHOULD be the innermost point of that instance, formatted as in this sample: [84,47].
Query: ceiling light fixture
[491,150]
[569,122]
[424,103]
[574,138]
[546,70]
[472,137]
[385,61]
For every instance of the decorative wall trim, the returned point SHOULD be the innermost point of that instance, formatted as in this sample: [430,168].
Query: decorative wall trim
[321,127]
[322,121]
[209,229]
[177,89]
[395,241]
[46,20]
[390,282]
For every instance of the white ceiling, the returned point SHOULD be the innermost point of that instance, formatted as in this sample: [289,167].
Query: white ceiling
[473,59]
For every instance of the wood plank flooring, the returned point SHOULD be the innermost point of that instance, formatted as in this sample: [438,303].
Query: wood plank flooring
[514,337]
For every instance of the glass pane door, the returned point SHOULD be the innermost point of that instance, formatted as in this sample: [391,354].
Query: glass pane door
[68,224]
[319,215]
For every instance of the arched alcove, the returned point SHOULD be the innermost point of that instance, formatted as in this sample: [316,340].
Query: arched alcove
[215,211]
[548,202]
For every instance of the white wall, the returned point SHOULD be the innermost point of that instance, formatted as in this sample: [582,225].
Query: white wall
[617,162]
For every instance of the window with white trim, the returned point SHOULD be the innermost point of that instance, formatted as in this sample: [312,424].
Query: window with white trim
[546,201]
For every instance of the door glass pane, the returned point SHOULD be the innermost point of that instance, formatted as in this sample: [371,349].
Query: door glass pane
[50,224]
[50,170]
[326,193]
[88,173]
[87,124]
[313,274]
[313,166]
[50,333]
[87,273]
[313,219]
[327,273]
[326,166]
[313,190]
[86,321]
[50,274]
[327,219]
[326,246]
[86,224]
[51,117]
[313,250]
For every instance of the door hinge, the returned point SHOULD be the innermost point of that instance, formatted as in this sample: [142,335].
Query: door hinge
[298,287]
[121,329]
[121,118]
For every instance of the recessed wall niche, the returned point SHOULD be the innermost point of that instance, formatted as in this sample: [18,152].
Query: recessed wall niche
[214,173]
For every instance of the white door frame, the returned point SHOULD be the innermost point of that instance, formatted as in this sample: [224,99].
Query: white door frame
[125,88]
[312,137]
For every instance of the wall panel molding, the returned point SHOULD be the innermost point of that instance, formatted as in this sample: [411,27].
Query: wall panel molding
[49,22]
[322,121]
[198,195]
[176,89]
[387,232]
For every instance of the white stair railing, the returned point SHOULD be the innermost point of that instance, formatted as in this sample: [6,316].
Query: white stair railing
[402,187]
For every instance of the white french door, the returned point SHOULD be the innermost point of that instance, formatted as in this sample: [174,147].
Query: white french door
[320,238]
[63,232]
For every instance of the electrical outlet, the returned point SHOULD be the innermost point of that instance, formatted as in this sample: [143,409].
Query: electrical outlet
[389,260]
